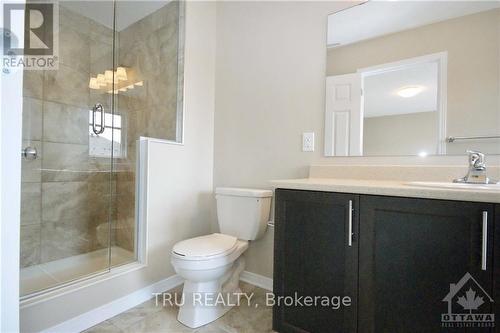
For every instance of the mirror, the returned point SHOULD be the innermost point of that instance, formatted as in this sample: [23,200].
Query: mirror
[413,78]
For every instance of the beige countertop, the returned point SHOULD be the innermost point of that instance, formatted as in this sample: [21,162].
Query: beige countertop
[388,188]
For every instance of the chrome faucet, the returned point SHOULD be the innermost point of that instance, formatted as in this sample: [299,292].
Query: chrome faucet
[477,170]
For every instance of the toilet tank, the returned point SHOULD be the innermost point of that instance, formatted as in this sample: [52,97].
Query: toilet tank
[243,213]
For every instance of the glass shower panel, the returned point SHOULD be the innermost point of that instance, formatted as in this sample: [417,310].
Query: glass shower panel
[119,78]
[70,135]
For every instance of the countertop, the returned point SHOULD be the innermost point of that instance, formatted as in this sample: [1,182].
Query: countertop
[387,188]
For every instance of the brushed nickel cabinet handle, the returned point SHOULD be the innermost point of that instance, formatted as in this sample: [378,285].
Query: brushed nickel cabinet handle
[484,243]
[349,236]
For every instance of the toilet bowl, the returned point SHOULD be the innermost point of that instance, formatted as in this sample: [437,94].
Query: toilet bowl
[211,265]
[206,276]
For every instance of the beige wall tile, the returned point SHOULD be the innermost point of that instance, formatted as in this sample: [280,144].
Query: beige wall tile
[64,238]
[64,201]
[71,20]
[30,245]
[74,49]
[166,15]
[65,123]
[100,32]
[101,57]
[67,85]
[33,84]
[32,118]
[64,162]
[31,203]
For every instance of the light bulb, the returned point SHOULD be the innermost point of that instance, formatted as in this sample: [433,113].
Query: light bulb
[108,75]
[93,84]
[121,73]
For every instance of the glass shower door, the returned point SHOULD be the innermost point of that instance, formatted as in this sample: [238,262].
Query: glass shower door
[70,135]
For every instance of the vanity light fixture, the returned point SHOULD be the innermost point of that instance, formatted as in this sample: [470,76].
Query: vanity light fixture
[410,91]
[121,80]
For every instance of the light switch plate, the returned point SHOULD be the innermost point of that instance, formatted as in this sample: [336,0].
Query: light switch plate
[308,141]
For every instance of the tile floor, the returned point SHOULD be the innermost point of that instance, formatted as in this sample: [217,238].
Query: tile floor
[149,318]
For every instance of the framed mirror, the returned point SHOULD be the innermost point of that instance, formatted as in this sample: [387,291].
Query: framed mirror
[413,78]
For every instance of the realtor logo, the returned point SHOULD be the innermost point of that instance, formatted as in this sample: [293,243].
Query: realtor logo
[32,45]
[467,305]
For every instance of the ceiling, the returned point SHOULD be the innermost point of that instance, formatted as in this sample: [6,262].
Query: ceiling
[127,11]
[376,18]
[380,91]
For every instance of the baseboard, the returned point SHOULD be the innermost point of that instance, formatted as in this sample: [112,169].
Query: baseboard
[104,312]
[257,280]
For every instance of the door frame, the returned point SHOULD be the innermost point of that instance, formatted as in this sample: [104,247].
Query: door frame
[441,58]
[11,88]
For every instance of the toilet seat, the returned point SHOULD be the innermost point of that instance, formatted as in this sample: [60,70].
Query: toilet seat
[205,247]
[209,262]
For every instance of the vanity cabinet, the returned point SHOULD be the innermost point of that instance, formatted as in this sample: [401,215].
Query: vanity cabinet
[313,258]
[405,253]
[411,250]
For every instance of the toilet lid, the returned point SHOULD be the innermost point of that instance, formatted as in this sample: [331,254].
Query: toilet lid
[205,246]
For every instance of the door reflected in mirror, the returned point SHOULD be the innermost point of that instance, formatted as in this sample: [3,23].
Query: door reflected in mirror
[404,78]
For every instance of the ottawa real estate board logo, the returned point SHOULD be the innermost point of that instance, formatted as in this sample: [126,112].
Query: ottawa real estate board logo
[30,36]
[469,305]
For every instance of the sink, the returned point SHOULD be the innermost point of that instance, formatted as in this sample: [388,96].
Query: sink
[457,186]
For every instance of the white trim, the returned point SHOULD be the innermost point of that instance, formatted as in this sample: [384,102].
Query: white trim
[141,202]
[156,140]
[11,105]
[402,64]
[257,280]
[104,312]
[441,58]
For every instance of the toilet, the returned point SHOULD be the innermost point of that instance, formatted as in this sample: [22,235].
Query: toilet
[211,265]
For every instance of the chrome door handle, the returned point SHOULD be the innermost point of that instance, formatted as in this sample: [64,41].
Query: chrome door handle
[29,153]
[98,129]
[349,228]
[484,243]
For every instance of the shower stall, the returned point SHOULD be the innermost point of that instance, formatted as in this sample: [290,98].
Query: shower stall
[119,78]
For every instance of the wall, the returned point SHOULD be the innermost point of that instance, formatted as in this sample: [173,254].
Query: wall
[472,43]
[270,87]
[400,134]
[189,185]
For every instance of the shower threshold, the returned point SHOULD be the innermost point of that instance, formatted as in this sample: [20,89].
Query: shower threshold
[36,278]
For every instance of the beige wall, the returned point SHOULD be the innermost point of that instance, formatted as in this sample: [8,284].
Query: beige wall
[472,43]
[402,134]
[185,184]
[270,84]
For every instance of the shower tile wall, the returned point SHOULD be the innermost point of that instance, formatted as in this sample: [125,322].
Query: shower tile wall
[64,196]
[150,48]
[65,213]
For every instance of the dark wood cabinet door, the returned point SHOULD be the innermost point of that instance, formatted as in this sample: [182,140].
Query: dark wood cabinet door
[313,258]
[496,263]
[411,251]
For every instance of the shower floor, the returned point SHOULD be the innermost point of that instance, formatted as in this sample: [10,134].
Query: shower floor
[39,277]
